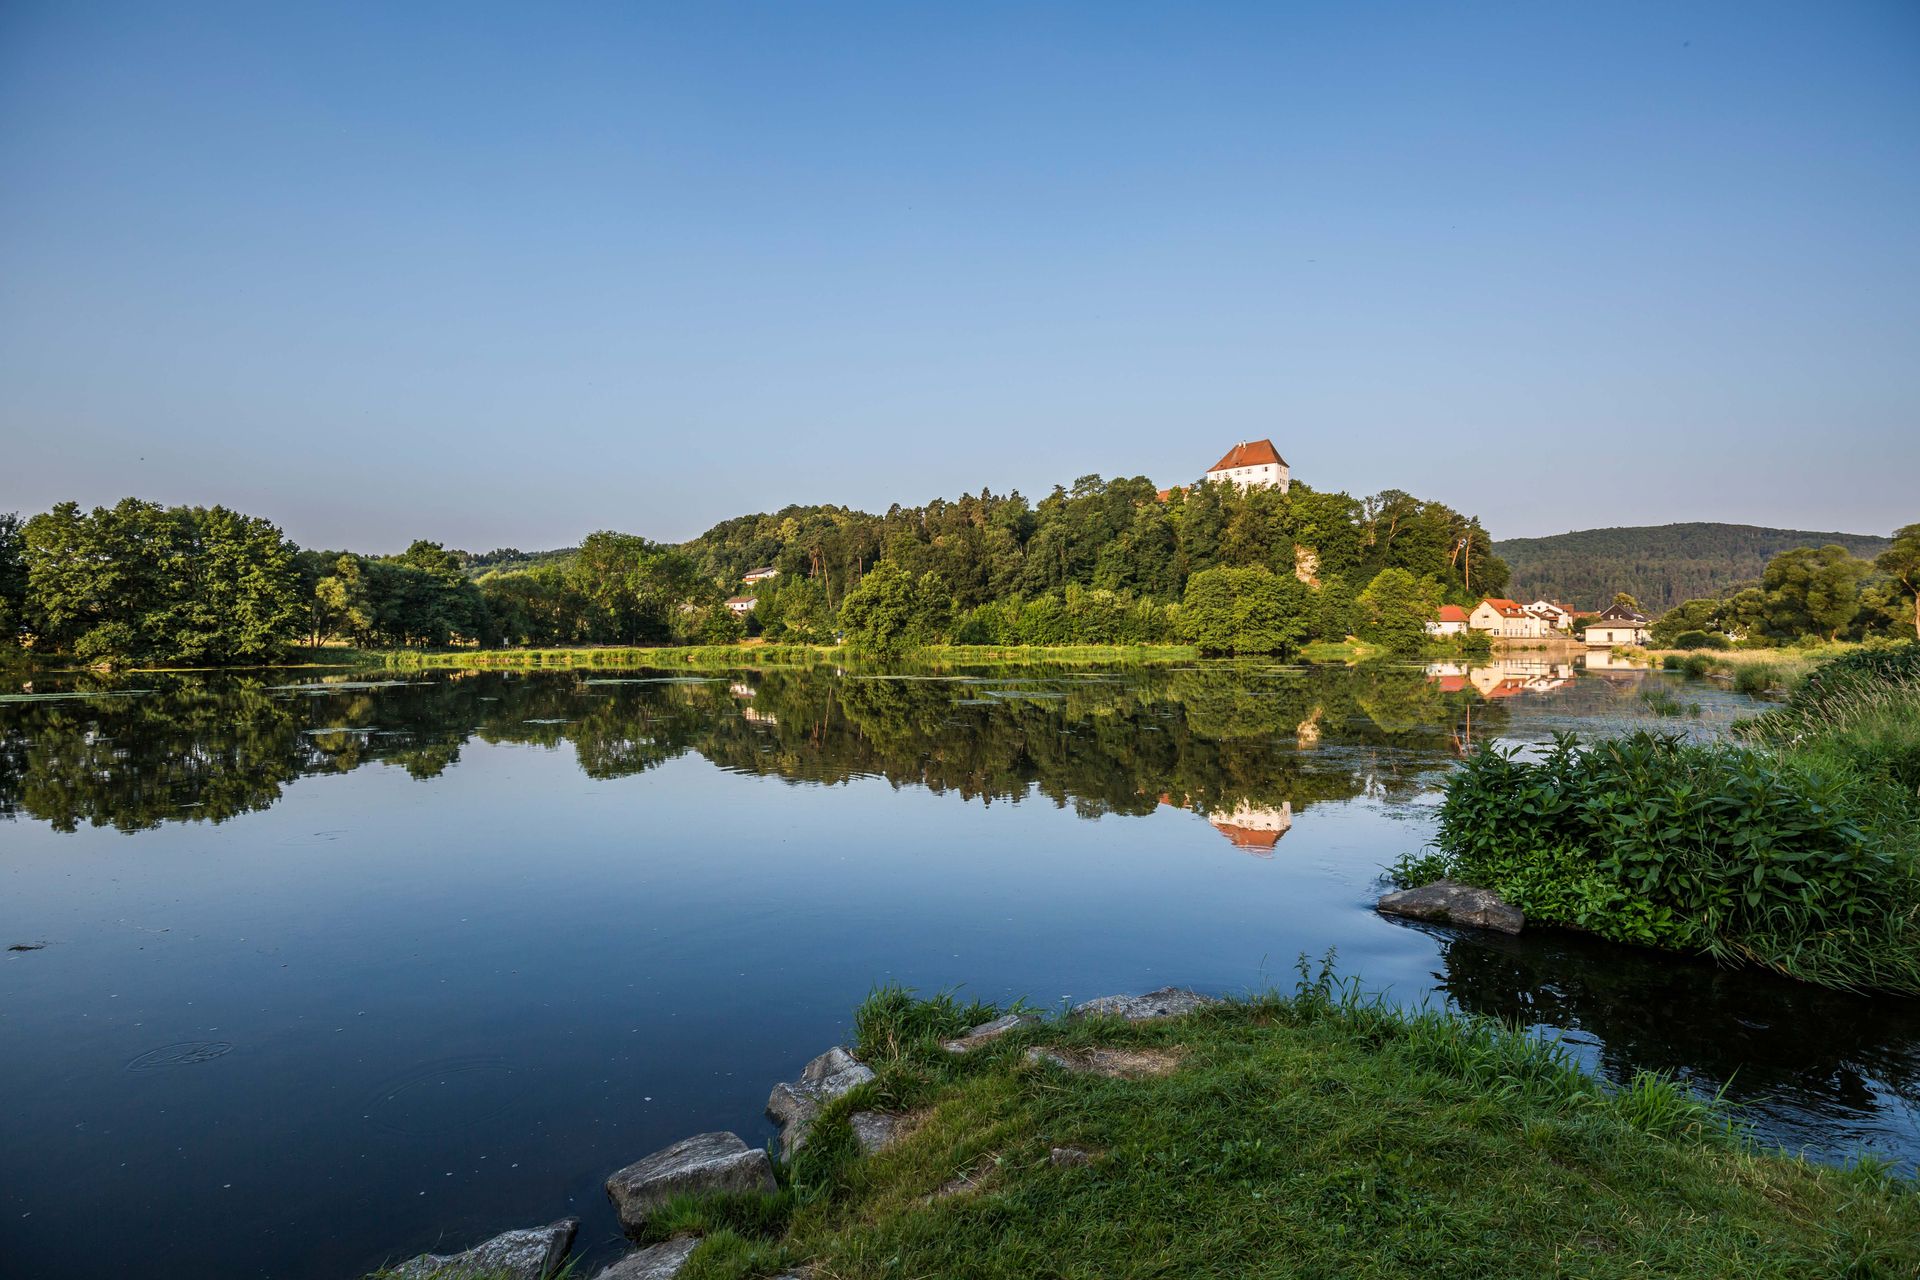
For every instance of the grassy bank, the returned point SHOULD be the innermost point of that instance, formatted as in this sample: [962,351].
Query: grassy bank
[1760,672]
[1319,1135]
[1797,849]
[755,654]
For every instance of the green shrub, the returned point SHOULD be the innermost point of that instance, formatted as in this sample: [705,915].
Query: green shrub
[1756,678]
[1718,848]
[1701,640]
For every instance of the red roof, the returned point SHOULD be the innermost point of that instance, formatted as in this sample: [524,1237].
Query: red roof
[1252,839]
[1506,608]
[1256,453]
[1452,613]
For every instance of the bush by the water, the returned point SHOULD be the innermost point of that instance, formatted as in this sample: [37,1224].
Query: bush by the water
[1796,864]
[1701,640]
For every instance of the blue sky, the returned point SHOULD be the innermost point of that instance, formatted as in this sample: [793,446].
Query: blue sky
[504,274]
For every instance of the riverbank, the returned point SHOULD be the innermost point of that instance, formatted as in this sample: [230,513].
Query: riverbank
[1796,849]
[1321,1133]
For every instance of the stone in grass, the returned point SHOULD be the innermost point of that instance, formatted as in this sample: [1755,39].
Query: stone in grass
[875,1131]
[656,1262]
[705,1162]
[1167,1002]
[1070,1156]
[1450,902]
[987,1032]
[794,1105]
[532,1253]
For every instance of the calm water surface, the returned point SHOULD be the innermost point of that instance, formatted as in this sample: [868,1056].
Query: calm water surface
[339,969]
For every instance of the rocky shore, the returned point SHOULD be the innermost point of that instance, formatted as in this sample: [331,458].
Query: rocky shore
[723,1162]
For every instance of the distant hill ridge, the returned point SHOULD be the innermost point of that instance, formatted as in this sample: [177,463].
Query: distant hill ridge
[1660,565]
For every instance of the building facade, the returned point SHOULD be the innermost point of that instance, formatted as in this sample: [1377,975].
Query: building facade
[1252,464]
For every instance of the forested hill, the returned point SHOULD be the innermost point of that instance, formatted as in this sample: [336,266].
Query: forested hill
[1660,565]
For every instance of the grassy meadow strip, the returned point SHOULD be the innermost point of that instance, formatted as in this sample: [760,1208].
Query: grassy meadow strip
[1318,1134]
[776,654]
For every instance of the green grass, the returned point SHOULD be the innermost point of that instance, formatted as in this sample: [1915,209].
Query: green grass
[1860,712]
[1349,650]
[1662,702]
[1317,1135]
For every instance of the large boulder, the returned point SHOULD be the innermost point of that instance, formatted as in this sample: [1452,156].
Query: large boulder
[1167,1002]
[656,1262]
[532,1253]
[705,1162]
[988,1032]
[795,1105]
[1450,902]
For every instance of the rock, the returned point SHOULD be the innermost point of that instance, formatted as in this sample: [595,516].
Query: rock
[875,1131]
[1450,902]
[793,1106]
[706,1162]
[990,1031]
[1118,1064]
[656,1262]
[1067,1156]
[533,1253]
[1167,1002]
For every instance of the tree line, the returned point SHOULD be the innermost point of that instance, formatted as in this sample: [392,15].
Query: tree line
[1102,562]
[1808,593]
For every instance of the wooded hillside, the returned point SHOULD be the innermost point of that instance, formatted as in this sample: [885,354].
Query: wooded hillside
[1659,565]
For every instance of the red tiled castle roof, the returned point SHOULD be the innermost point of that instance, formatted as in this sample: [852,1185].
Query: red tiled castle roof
[1255,453]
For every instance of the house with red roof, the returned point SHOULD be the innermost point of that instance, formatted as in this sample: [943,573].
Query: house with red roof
[1509,620]
[1254,464]
[1452,621]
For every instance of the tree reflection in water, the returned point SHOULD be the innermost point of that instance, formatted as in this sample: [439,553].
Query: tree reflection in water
[1250,746]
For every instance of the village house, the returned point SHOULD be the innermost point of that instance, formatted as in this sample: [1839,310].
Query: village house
[1619,625]
[1251,465]
[741,605]
[1558,614]
[756,576]
[1508,620]
[1451,622]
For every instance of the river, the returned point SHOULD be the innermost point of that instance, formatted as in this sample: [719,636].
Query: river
[330,968]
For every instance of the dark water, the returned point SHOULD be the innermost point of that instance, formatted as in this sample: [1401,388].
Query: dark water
[338,971]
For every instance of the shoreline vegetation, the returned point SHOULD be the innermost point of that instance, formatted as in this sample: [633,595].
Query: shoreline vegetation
[1318,1133]
[1795,847]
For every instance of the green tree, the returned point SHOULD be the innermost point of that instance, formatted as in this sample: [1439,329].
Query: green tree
[1246,610]
[1393,610]
[145,582]
[1813,591]
[891,611]
[1901,562]
[13,579]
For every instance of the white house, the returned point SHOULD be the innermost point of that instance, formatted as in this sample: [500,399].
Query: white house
[1508,620]
[1618,625]
[756,576]
[742,605]
[1451,622]
[1558,614]
[1251,465]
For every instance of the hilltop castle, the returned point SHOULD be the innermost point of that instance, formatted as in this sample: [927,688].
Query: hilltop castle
[1251,465]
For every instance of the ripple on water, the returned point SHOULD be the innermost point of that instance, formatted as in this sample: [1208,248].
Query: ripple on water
[184,1054]
[443,1097]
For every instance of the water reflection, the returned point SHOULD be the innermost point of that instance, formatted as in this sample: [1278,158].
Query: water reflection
[442,949]
[1811,1067]
[192,749]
